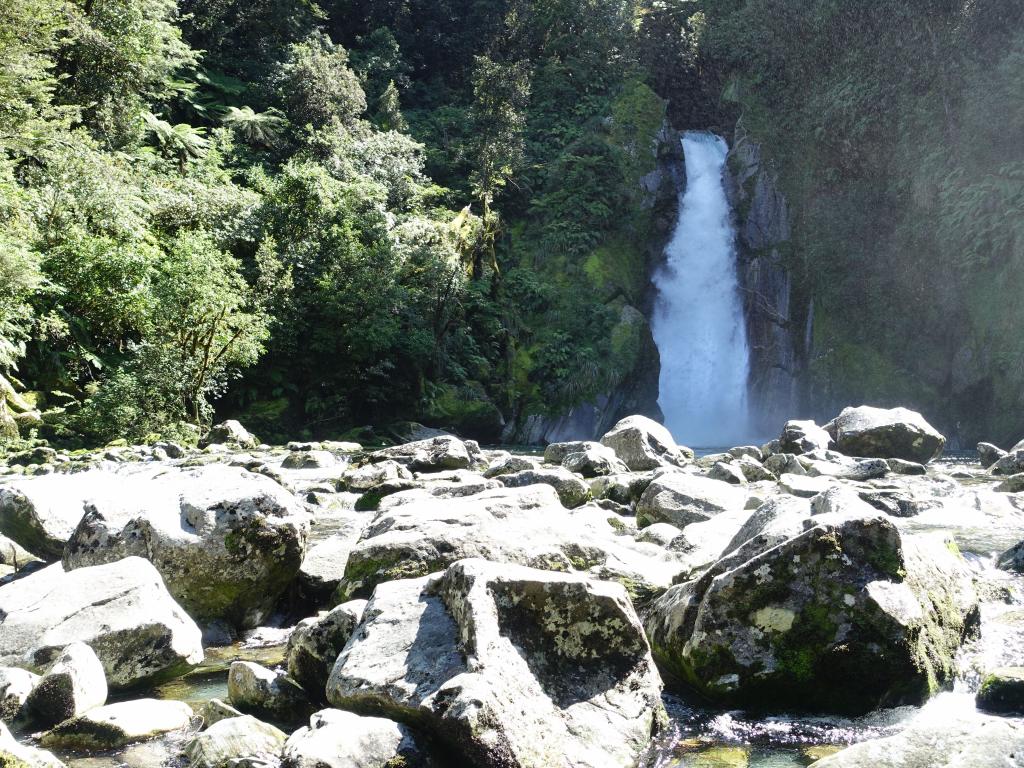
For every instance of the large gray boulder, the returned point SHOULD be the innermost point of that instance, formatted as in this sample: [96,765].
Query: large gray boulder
[121,610]
[571,489]
[848,615]
[13,554]
[314,645]
[74,683]
[116,725]
[235,739]
[512,667]
[893,433]
[256,689]
[232,433]
[1010,464]
[642,443]
[227,542]
[337,739]
[415,534]
[680,499]
[989,454]
[940,736]
[434,454]
[41,513]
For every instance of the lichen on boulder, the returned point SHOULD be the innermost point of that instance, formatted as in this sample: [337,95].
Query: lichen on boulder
[846,616]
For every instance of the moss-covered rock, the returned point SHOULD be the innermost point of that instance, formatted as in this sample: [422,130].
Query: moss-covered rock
[847,616]
[1002,691]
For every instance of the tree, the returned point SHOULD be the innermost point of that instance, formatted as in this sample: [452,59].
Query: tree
[180,142]
[260,128]
[501,92]
[317,86]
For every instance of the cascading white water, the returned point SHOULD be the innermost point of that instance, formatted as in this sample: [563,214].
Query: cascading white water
[698,316]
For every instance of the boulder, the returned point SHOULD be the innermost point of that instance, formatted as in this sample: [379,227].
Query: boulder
[74,684]
[431,455]
[227,542]
[1010,464]
[13,554]
[641,443]
[727,472]
[942,735]
[804,486]
[895,433]
[800,437]
[555,453]
[847,616]
[784,464]
[369,475]
[904,467]
[121,610]
[596,461]
[1002,691]
[1012,559]
[40,513]
[215,710]
[571,489]
[680,499]
[337,739]
[1012,484]
[508,464]
[832,464]
[15,755]
[840,500]
[314,645]
[15,686]
[254,688]
[625,488]
[753,470]
[512,667]
[662,534]
[231,433]
[309,460]
[235,739]
[116,725]
[415,534]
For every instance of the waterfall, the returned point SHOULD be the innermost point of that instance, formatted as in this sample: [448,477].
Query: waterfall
[698,319]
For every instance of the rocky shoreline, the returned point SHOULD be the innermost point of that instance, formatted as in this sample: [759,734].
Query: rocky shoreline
[460,606]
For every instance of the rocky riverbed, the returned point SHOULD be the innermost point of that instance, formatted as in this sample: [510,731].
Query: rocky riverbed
[842,596]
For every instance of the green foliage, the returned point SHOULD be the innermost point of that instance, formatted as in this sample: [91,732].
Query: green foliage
[317,86]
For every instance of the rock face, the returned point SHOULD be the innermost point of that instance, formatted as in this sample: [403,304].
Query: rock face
[74,684]
[116,725]
[510,666]
[314,645]
[235,738]
[896,433]
[1010,464]
[337,739]
[227,542]
[121,610]
[847,616]
[642,443]
[680,499]
[940,737]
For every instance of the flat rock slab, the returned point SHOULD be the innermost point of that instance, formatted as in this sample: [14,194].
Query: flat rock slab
[116,725]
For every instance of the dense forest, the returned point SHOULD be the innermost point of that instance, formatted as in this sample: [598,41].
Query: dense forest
[319,215]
